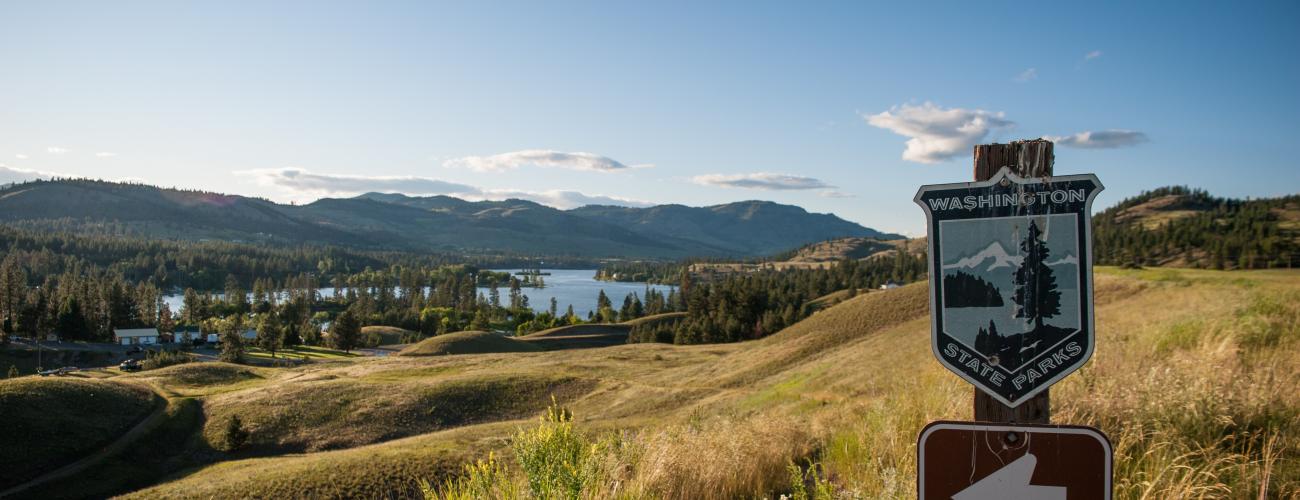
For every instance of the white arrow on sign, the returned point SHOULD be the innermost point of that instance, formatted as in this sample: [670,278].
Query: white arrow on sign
[1011,481]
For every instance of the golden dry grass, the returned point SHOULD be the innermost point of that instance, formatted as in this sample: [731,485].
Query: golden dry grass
[1193,379]
[655,319]
[471,342]
[388,335]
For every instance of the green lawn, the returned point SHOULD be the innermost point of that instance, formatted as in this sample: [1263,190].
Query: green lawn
[301,352]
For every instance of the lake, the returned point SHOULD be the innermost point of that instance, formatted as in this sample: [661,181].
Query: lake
[576,287]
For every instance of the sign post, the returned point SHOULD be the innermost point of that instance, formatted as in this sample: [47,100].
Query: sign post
[1028,159]
[1010,261]
[1011,283]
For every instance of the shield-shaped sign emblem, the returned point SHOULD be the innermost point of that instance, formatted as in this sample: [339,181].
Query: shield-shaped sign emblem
[1011,280]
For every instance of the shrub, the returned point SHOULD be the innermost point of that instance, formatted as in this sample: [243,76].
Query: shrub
[481,479]
[822,488]
[234,436]
[160,359]
[557,460]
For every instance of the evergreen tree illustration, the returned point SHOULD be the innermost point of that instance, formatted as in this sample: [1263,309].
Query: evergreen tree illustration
[1036,293]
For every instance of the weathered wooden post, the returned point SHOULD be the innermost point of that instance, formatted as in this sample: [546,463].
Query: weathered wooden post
[1031,158]
[1010,260]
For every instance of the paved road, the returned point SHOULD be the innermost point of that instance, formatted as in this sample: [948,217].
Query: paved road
[155,418]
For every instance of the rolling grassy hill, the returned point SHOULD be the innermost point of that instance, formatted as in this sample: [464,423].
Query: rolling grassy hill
[579,336]
[52,422]
[1192,380]
[471,342]
[389,335]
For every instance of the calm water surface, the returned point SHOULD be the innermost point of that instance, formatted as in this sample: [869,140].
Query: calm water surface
[576,287]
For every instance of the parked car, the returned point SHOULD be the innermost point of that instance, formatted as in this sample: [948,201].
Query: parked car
[129,365]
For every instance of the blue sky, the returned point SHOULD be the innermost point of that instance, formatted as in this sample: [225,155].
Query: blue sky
[809,104]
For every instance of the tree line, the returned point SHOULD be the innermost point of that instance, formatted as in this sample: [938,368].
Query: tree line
[55,247]
[754,305]
[1195,229]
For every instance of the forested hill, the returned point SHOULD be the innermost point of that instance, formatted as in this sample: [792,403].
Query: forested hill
[1183,227]
[440,223]
[764,227]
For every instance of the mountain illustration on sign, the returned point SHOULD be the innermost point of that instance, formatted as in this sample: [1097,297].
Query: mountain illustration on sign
[1037,299]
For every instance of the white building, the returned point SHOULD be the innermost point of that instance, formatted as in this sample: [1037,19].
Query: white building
[186,334]
[136,336]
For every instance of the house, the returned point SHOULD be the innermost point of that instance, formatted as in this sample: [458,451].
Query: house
[248,335]
[186,334]
[889,285]
[136,336]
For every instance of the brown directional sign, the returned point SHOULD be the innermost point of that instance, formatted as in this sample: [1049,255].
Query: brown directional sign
[982,461]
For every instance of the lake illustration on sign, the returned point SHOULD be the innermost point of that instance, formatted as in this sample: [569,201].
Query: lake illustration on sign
[1010,285]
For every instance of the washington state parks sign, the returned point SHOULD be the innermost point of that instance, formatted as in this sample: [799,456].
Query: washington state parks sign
[1011,280]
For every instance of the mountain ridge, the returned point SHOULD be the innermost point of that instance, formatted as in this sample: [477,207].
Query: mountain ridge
[395,221]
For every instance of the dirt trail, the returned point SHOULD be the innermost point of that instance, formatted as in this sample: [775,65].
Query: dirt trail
[151,421]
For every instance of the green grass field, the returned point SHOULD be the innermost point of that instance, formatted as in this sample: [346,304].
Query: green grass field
[298,353]
[1193,379]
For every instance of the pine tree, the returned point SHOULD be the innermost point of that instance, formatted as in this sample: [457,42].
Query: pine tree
[270,333]
[234,436]
[1036,291]
[166,323]
[235,295]
[480,321]
[232,340]
[346,331]
[13,289]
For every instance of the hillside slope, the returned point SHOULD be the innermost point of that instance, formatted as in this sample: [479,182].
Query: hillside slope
[1191,380]
[741,228]
[471,342]
[1182,227]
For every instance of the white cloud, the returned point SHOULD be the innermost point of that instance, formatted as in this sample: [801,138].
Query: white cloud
[105,154]
[303,185]
[835,194]
[302,181]
[540,158]
[1092,55]
[936,134]
[761,180]
[55,150]
[1101,139]
[21,156]
[1027,75]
